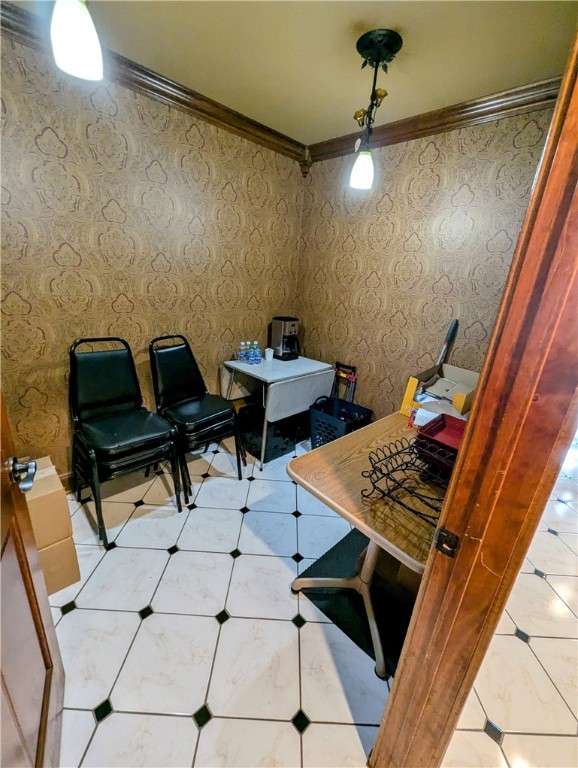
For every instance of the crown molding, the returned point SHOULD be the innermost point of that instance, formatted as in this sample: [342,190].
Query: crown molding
[23,27]
[514,101]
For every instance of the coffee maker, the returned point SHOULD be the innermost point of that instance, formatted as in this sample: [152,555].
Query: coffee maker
[284,338]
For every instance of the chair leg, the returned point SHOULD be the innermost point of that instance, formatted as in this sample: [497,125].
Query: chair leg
[176,478]
[185,478]
[95,487]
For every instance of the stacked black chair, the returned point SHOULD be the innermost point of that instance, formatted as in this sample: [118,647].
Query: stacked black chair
[114,434]
[182,398]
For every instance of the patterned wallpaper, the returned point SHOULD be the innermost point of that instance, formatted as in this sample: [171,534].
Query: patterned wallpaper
[382,273]
[121,216]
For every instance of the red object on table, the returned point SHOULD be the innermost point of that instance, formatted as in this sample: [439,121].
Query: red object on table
[445,431]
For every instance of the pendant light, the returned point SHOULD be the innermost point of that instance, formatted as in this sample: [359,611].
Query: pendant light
[75,43]
[377,48]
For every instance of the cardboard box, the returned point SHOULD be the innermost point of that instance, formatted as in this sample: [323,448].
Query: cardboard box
[48,506]
[60,565]
[462,392]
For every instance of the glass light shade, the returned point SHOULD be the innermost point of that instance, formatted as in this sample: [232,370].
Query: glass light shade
[362,171]
[75,44]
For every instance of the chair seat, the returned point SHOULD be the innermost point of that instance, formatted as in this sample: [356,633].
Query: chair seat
[116,434]
[196,416]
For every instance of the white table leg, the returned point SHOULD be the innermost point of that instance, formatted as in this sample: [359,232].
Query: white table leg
[362,585]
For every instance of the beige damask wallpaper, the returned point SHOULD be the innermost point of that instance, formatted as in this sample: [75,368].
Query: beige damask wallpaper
[123,216]
[382,273]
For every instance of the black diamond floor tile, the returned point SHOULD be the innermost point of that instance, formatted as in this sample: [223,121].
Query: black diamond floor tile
[298,620]
[222,617]
[144,613]
[67,608]
[202,716]
[103,710]
[492,730]
[301,721]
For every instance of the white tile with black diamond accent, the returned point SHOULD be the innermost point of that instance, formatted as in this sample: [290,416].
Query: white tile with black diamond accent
[338,681]
[210,627]
[517,694]
[89,557]
[559,657]
[473,749]
[550,555]
[247,744]
[224,464]
[94,645]
[540,751]
[260,587]
[194,583]
[271,496]
[124,580]
[77,728]
[307,607]
[560,518]
[168,666]
[268,533]
[223,493]
[566,587]
[127,488]
[256,670]
[153,527]
[328,745]
[274,470]
[316,534]
[135,740]
[536,609]
[211,529]
[199,463]
[308,504]
[161,492]
[115,514]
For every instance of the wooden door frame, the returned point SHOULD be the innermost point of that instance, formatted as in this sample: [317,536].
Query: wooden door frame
[520,428]
[15,524]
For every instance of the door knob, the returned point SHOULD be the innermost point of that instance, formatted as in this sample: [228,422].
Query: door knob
[22,473]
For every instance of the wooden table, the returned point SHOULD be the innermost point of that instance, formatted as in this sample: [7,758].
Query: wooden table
[332,473]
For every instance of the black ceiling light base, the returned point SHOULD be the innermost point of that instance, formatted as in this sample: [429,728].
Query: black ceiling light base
[378,47]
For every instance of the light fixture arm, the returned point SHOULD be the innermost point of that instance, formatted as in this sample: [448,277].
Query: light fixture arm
[377,48]
[370,115]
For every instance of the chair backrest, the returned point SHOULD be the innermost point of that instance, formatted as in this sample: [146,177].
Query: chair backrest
[286,398]
[102,381]
[175,373]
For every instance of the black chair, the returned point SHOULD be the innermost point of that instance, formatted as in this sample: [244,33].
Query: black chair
[114,433]
[182,399]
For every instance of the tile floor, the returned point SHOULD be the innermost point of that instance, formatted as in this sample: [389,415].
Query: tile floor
[183,645]
[523,709]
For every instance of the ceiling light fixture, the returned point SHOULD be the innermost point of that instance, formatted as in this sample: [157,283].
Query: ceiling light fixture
[75,43]
[377,48]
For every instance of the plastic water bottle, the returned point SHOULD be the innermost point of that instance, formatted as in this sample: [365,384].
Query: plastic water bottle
[242,353]
[249,348]
[256,352]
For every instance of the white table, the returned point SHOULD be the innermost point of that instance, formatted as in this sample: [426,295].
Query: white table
[270,371]
[291,386]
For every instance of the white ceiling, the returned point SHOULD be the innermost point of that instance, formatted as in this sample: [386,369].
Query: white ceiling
[293,66]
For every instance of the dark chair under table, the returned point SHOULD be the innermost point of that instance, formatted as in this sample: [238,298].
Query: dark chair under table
[182,398]
[114,434]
